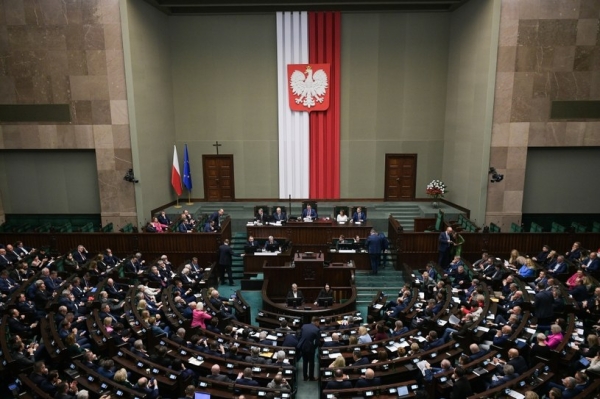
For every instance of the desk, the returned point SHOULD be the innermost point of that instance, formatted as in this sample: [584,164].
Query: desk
[311,236]
[308,271]
[253,263]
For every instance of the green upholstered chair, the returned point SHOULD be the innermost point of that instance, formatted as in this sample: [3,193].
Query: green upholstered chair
[515,228]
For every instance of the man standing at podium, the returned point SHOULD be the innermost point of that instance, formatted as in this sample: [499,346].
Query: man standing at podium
[374,245]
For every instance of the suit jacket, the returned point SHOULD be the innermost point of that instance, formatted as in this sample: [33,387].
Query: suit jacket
[312,214]
[219,377]
[519,364]
[543,304]
[7,286]
[559,268]
[80,257]
[215,216]
[461,389]
[503,380]
[298,295]
[359,217]
[309,338]
[247,381]
[574,255]
[501,340]
[164,220]
[111,260]
[225,255]
[362,361]
[279,217]
[593,266]
[579,293]
[333,384]
[364,383]
[443,244]
[261,218]
[374,244]
[18,327]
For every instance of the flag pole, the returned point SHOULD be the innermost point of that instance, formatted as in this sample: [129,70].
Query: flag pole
[189,198]
[177,205]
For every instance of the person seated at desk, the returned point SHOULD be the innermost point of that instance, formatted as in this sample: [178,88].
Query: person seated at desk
[325,292]
[260,216]
[341,241]
[271,245]
[245,378]
[342,217]
[359,216]
[294,293]
[279,216]
[591,263]
[309,213]
[251,243]
[340,381]
[209,227]
[164,219]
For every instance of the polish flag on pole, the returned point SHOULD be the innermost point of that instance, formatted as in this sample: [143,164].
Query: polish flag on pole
[175,174]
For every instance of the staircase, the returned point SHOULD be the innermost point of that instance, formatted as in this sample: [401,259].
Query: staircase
[387,280]
[238,241]
[405,213]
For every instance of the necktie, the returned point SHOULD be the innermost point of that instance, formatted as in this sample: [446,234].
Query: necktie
[82,256]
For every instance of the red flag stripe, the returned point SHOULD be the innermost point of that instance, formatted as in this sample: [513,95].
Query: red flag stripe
[324,30]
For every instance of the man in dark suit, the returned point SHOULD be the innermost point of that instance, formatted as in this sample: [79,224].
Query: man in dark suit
[261,216]
[308,343]
[461,388]
[575,252]
[501,337]
[335,341]
[4,261]
[245,378]
[150,388]
[359,359]
[216,217]
[308,212]
[517,361]
[445,243]
[271,245]
[225,259]
[80,255]
[189,392]
[215,374]
[359,216]
[509,375]
[374,245]
[252,243]
[219,302]
[12,255]
[369,380]
[543,305]
[591,263]
[42,296]
[279,215]
[560,267]
[295,293]
[7,284]
[164,219]
[339,381]
[16,325]
[110,260]
[21,249]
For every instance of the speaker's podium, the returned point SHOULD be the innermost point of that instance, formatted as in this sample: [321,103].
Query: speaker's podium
[310,272]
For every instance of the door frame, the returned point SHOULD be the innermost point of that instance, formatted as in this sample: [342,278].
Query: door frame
[205,157]
[385,185]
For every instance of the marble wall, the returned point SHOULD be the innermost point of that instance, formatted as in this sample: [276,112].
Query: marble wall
[548,50]
[71,52]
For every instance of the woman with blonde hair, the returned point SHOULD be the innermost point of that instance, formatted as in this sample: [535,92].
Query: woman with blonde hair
[338,362]
[199,316]
[107,323]
[363,335]
[514,255]
[353,340]
[555,338]
[121,378]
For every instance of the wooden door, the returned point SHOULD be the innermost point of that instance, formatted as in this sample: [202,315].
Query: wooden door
[218,177]
[400,177]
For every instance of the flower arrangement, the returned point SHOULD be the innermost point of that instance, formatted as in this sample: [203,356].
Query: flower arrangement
[436,189]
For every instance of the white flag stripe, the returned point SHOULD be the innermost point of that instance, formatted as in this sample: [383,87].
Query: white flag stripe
[292,48]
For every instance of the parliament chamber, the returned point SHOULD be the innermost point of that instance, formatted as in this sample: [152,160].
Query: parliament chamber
[400,340]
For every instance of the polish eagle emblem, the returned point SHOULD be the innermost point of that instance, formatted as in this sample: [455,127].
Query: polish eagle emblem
[309,90]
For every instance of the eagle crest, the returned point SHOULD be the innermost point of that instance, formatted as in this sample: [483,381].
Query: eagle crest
[309,88]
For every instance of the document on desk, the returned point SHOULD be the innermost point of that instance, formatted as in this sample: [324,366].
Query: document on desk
[515,394]
[267,253]
[378,306]
[194,361]
[453,319]
[347,251]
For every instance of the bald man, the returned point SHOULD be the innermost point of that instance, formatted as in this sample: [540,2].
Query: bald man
[368,380]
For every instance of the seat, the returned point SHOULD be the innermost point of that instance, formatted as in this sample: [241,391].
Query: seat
[265,209]
[515,228]
[439,222]
[363,209]
[312,204]
[535,228]
[338,208]
[494,228]
[274,209]
[557,228]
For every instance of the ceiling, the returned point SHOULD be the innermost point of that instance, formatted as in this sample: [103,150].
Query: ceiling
[200,7]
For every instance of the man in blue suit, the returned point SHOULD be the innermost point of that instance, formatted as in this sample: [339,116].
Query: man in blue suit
[216,217]
[509,375]
[309,212]
[374,245]
[560,267]
[591,263]
[444,245]
[308,343]
[359,216]
[279,215]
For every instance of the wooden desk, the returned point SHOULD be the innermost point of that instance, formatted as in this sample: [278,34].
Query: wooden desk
[311,236]
[307,271]
[253,263]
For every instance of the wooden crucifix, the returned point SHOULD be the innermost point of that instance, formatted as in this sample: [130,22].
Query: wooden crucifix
[217,145]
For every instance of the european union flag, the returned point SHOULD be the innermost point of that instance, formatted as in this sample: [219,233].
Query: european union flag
[187,177]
